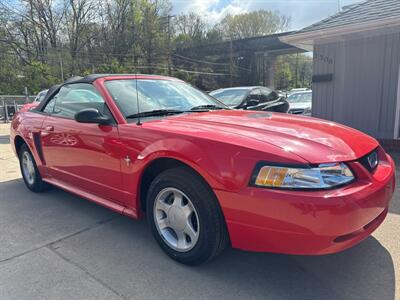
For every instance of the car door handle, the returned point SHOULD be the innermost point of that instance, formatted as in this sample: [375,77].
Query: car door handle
[49,128]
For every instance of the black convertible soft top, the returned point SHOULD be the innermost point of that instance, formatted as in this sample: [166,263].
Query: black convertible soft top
[78,79]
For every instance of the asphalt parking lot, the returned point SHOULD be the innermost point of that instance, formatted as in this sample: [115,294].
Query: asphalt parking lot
[58,246]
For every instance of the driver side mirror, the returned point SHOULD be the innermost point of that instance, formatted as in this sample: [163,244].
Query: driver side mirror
[92,115]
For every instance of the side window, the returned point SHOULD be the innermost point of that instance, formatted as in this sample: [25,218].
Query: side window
[268,95]
[255,94]
[74,97]
[49,108]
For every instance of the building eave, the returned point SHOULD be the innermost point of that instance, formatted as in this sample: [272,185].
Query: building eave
[306,40]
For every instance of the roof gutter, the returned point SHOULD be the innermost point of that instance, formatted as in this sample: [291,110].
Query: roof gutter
[307,39]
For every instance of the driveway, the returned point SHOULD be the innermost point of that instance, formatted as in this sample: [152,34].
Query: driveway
[58,246]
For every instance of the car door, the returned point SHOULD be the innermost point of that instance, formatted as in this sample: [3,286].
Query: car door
[83,156]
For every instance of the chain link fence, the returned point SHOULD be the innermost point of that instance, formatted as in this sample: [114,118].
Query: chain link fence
[10,104]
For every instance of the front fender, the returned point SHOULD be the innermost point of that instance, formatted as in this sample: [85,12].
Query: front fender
[223,166]
[188,153]
[222,163]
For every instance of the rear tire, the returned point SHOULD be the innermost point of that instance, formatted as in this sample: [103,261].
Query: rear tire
[185,217]
[30,173]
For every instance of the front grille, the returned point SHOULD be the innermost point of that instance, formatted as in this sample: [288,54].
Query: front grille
[370,161]
[296,111]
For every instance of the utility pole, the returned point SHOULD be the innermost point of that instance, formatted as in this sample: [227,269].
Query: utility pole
[26,95]
[62,70]
[231,61]
[169,50]
[169,45]
[61,67]
[297,70]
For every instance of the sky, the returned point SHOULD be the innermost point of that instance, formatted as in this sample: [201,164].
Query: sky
[302,12]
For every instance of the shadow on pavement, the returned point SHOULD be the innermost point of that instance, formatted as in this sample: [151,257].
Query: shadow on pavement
[395,203]
[394,206]
[363,272]
[122,254]
[30,220]
[4,139]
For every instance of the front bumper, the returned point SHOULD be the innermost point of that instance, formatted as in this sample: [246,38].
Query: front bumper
[310,222]
[300,111]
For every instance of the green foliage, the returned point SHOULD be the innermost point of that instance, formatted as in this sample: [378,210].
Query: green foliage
[37,77]
[191,30]
[46,41]
[14,78]
[293,71]
[283,74]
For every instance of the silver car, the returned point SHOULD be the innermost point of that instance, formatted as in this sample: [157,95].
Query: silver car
[300,103]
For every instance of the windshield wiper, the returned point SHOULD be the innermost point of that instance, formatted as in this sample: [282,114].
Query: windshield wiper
[157,112]
[166,112]
[207,106]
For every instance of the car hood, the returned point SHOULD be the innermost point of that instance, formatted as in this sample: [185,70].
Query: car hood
[29,106]
[314,140]
[299,105]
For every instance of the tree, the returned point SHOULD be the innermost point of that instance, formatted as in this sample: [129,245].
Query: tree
[32,26]
[45,41]
[251,24]
[293,71]
[47,16]
[191,30]
[283,74]
[80,14]
[153,17]
[117,27]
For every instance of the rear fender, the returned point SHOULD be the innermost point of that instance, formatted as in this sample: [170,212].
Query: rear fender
[29,132]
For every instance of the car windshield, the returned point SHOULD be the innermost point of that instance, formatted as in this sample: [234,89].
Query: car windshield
[41,96]
[230,97]
[300,97]
[156,95]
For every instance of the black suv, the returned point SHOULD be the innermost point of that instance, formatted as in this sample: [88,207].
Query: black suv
[252,98]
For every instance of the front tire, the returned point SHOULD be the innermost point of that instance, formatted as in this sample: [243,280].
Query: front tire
[30,172]
[185,217]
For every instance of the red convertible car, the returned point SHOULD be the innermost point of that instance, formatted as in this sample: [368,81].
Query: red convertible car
[204,175]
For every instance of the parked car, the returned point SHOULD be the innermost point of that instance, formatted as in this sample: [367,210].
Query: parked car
[295,90]
[252,98]
[205,176]
[300,103]
[282,93]
[39,97]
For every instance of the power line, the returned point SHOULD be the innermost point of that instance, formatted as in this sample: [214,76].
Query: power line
[199,61]
[96,60]
[161,67]
[192,60]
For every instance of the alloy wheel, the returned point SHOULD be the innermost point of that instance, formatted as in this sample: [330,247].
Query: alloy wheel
[176,219]
[28,168]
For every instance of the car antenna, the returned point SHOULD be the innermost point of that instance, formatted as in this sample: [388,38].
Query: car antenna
[137,104]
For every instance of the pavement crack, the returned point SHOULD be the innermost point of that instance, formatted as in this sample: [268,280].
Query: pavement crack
[86,271]
[97,224]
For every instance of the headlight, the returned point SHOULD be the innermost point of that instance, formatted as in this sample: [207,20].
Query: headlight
[322,177]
